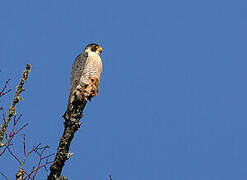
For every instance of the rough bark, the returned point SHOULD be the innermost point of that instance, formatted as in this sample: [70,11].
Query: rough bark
[71,125]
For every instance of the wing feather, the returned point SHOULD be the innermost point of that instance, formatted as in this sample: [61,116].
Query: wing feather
[77,70]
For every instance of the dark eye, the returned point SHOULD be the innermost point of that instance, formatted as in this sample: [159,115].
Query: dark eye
[94,48]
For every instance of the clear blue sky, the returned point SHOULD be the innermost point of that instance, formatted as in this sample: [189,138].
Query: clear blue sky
[173,97]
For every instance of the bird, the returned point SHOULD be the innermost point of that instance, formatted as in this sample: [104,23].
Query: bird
[85,77]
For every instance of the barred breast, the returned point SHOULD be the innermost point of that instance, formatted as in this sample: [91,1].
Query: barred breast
[93,68]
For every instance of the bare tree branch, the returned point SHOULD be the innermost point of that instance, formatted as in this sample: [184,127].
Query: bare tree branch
[71,125]
[17,98]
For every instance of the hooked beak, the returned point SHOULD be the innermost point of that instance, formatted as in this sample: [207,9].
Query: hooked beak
[100,49]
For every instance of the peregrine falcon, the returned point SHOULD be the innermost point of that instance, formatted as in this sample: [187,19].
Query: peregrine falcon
[85,77]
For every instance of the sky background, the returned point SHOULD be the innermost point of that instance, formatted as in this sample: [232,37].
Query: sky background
[173,95]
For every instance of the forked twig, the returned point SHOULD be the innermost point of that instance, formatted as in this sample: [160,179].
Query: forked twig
[3,92]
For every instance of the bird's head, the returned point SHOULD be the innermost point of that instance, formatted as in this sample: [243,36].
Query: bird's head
[94,48]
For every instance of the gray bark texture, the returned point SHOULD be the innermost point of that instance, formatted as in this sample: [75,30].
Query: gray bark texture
[71,125]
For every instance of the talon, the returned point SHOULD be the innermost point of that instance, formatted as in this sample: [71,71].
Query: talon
[95,81]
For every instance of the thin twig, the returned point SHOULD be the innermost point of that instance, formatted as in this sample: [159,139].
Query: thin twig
[17,159]
[5,177]
[24,160]
[13,132]
[3,92]
[39,151]
[24,145]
